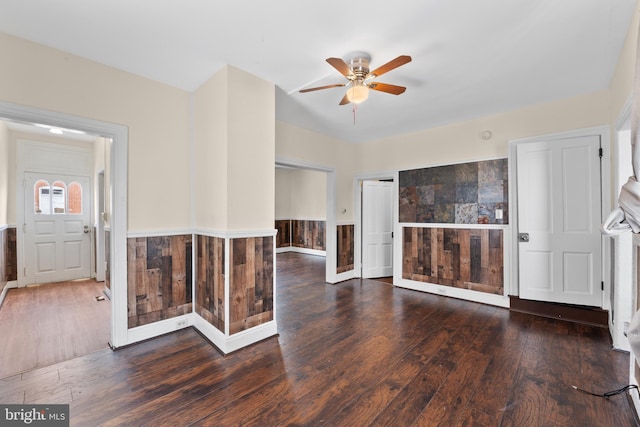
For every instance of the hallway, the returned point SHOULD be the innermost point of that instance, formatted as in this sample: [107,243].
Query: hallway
[50,323]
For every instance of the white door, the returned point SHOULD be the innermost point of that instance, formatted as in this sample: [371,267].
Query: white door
[559,243]
[377,229]
[57,228]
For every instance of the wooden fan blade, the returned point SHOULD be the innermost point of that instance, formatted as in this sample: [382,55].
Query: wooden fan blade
[311,89]
[393,64]
[345,100]
[383,87]
[341,66]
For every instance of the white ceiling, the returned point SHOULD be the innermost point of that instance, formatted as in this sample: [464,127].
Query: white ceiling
[470,58]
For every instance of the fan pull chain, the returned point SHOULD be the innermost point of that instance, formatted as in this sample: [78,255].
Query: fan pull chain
[355,109]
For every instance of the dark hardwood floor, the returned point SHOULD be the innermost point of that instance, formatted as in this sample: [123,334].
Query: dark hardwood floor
[353,354]
[46,324]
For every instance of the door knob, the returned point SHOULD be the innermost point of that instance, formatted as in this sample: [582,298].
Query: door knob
[86,229]
[523,237]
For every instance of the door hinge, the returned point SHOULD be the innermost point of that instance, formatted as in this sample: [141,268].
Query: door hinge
[600,152]
[602,286]
[392,234]
[24,273]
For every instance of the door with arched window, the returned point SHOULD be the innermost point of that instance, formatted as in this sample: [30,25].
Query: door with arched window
[57,227]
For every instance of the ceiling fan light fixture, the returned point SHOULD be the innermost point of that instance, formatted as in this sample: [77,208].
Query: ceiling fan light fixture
[357,93]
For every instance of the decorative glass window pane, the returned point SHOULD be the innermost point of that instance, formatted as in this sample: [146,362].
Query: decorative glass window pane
[59,197]
[42,198]
[75,198]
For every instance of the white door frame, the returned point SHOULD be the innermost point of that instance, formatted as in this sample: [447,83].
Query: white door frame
[357,244]
[622,296]
[331,240]
[99,237]
[605,178]
[120,136]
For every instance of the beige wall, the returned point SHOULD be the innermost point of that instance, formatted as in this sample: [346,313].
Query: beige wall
[251,156]
[210,153]
[157,117]
[308,194]
[622,82]
[311,148]
[234,120]
[283,193]
[461,142]
[4,173]
[301,194]
[621,89]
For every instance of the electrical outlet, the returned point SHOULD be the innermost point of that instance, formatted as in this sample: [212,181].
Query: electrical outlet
[181,324]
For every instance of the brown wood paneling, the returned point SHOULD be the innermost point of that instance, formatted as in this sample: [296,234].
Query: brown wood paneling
[3,259]
[11,255]
[158,268]
[283,238]
[308,234]
[250,282]
[210,280]
[345,234]
[107,259]
[462,258]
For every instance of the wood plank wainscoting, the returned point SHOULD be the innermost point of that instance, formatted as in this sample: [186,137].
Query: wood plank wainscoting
[107,260]
[283,237]
[3,258]
[210,296]
[346,249]
[301,233]
[459,257]
[250,282]
[8,256]
[159,278]
[235,288]
[308,234]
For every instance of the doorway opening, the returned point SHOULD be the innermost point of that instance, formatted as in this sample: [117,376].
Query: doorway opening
[115,180]
[375,234]
[328,204]
[55,216]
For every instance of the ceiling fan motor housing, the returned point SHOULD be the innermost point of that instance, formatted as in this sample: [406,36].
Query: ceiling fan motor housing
[360,66]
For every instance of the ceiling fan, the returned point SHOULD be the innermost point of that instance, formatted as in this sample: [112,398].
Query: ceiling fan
[360,79]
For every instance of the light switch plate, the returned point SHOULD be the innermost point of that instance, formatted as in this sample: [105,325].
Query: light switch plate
[498,213]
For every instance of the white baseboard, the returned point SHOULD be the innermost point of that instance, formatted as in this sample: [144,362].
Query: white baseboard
[341,277]
[10,285]
[236,341]
[301,251]
[449,291]
[155,329]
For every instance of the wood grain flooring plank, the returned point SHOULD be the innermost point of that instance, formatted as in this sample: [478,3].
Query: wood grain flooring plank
[360,352]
